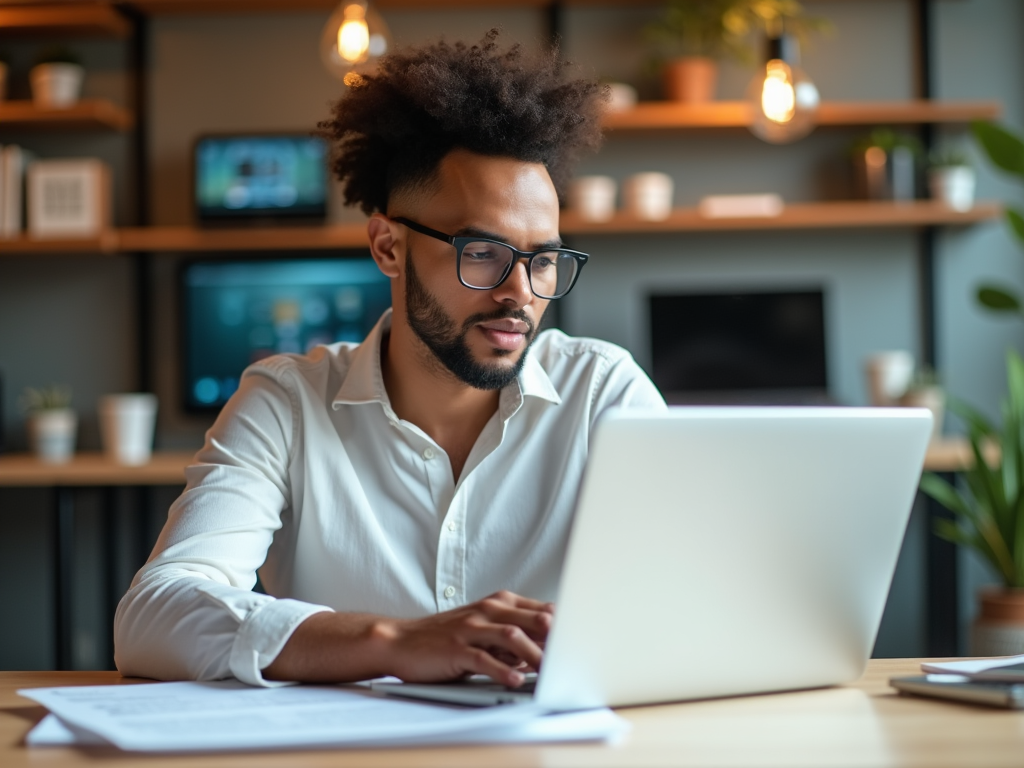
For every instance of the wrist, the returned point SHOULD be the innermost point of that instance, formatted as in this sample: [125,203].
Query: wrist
[381,638]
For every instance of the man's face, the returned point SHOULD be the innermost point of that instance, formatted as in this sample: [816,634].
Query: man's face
[481,337]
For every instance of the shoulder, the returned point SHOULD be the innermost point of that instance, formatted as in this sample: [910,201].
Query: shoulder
[593,371]
[317,370]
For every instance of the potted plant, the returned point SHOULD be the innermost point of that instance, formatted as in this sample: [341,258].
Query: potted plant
[951,178]
[990,512]
[52,424]
[56,79]
[694,35]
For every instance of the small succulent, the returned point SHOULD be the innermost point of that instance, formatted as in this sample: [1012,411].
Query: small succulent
[51,398]
[948,157]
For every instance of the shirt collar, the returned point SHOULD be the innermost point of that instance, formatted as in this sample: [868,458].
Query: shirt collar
[364,382]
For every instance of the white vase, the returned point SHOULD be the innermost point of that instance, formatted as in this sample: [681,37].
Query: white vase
[56,85]
[953,185]
[52,434]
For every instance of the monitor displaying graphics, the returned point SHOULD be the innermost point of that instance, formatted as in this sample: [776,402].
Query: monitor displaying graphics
[235,313]
[761,347]
[260,177]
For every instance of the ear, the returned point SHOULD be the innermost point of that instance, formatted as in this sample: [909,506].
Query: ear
[384,244]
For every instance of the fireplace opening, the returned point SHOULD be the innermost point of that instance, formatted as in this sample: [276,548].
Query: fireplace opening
[740,348]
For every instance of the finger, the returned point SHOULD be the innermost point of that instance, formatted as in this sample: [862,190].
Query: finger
[477,661]
[518,601]
[536,624]
[510,639]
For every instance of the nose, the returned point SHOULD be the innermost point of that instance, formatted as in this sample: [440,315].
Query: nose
[515,291]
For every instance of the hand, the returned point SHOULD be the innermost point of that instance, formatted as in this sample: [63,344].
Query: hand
[498,636]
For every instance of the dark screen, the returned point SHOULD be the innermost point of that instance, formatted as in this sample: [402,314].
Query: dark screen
[738,342]
[236,313]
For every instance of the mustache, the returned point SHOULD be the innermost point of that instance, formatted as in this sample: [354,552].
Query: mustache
[504,313]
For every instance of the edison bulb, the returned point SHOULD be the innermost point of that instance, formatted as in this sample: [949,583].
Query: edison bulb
[354,37]
[784,102]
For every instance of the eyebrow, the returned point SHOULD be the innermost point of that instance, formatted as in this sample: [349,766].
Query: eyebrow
[476,232]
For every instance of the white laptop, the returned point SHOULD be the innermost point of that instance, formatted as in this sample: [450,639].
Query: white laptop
[723,551]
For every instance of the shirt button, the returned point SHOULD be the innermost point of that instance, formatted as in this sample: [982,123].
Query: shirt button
[428,453]
[452,526]
[449,592]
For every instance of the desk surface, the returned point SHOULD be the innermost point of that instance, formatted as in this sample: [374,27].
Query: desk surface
[168,468]
[863,724]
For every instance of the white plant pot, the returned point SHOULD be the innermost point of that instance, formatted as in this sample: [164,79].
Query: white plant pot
[648,196]
[953,186]
[56,86]
[127,423]
[52,434]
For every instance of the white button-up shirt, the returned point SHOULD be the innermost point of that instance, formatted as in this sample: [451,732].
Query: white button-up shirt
[309,476]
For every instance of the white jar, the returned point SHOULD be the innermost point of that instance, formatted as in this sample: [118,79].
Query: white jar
[953,185]
[52,433]
[648,196]
[593,197]
[56,85]
[127,424]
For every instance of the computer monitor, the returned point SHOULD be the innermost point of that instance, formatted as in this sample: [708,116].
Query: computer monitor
[237,312]
[757,347]
[247,178]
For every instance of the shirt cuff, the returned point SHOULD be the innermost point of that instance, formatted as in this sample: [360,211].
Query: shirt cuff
[263,634]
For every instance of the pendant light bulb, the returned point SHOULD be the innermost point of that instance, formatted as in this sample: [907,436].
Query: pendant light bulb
[783,99]
[354,38]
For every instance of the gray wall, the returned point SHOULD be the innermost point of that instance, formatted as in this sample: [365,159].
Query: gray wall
[70,318]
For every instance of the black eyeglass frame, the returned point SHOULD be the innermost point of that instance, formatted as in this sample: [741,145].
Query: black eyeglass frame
[461,241]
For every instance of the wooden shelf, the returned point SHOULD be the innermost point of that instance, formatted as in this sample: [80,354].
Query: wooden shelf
[243,239]
[662,115]
[207,7]
[106,242]
[85,115]
[23,469]
[828,215]
[168,468]
[64,20]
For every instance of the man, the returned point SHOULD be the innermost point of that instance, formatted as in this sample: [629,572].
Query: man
[407,500]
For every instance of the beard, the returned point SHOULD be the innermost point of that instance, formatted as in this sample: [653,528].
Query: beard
[447,341]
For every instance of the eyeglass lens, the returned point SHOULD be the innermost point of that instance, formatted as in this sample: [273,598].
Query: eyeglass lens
[484,264]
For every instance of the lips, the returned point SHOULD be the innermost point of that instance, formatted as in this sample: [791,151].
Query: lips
[508,334]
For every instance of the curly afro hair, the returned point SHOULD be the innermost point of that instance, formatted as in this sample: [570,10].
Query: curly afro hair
[392,128]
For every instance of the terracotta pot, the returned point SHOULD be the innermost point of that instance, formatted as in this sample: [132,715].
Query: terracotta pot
[691,79]
[999,628]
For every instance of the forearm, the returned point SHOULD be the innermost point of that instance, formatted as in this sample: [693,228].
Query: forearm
[335,648]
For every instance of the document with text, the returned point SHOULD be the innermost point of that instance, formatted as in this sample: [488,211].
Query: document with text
[227,715]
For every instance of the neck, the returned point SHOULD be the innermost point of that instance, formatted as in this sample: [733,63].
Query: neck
[422,391]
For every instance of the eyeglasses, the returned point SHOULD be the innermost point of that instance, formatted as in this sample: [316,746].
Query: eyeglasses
[484,264]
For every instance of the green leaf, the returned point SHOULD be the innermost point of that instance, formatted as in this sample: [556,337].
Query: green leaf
[1004,149]
[975,418]
[1016,220]
[998,300]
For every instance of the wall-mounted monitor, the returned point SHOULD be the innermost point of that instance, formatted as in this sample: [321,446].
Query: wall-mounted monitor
[237,312]
[765,347]
[247,178]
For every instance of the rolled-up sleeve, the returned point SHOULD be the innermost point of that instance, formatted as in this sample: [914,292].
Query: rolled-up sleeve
[190,612]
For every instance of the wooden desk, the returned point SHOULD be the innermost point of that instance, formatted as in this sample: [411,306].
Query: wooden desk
[864,724]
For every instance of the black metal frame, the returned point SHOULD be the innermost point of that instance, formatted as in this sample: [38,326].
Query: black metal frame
[460,242]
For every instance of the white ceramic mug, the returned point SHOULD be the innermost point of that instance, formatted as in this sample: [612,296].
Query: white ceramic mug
[127,423]
[889,374]
[648,196]
[593,197]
